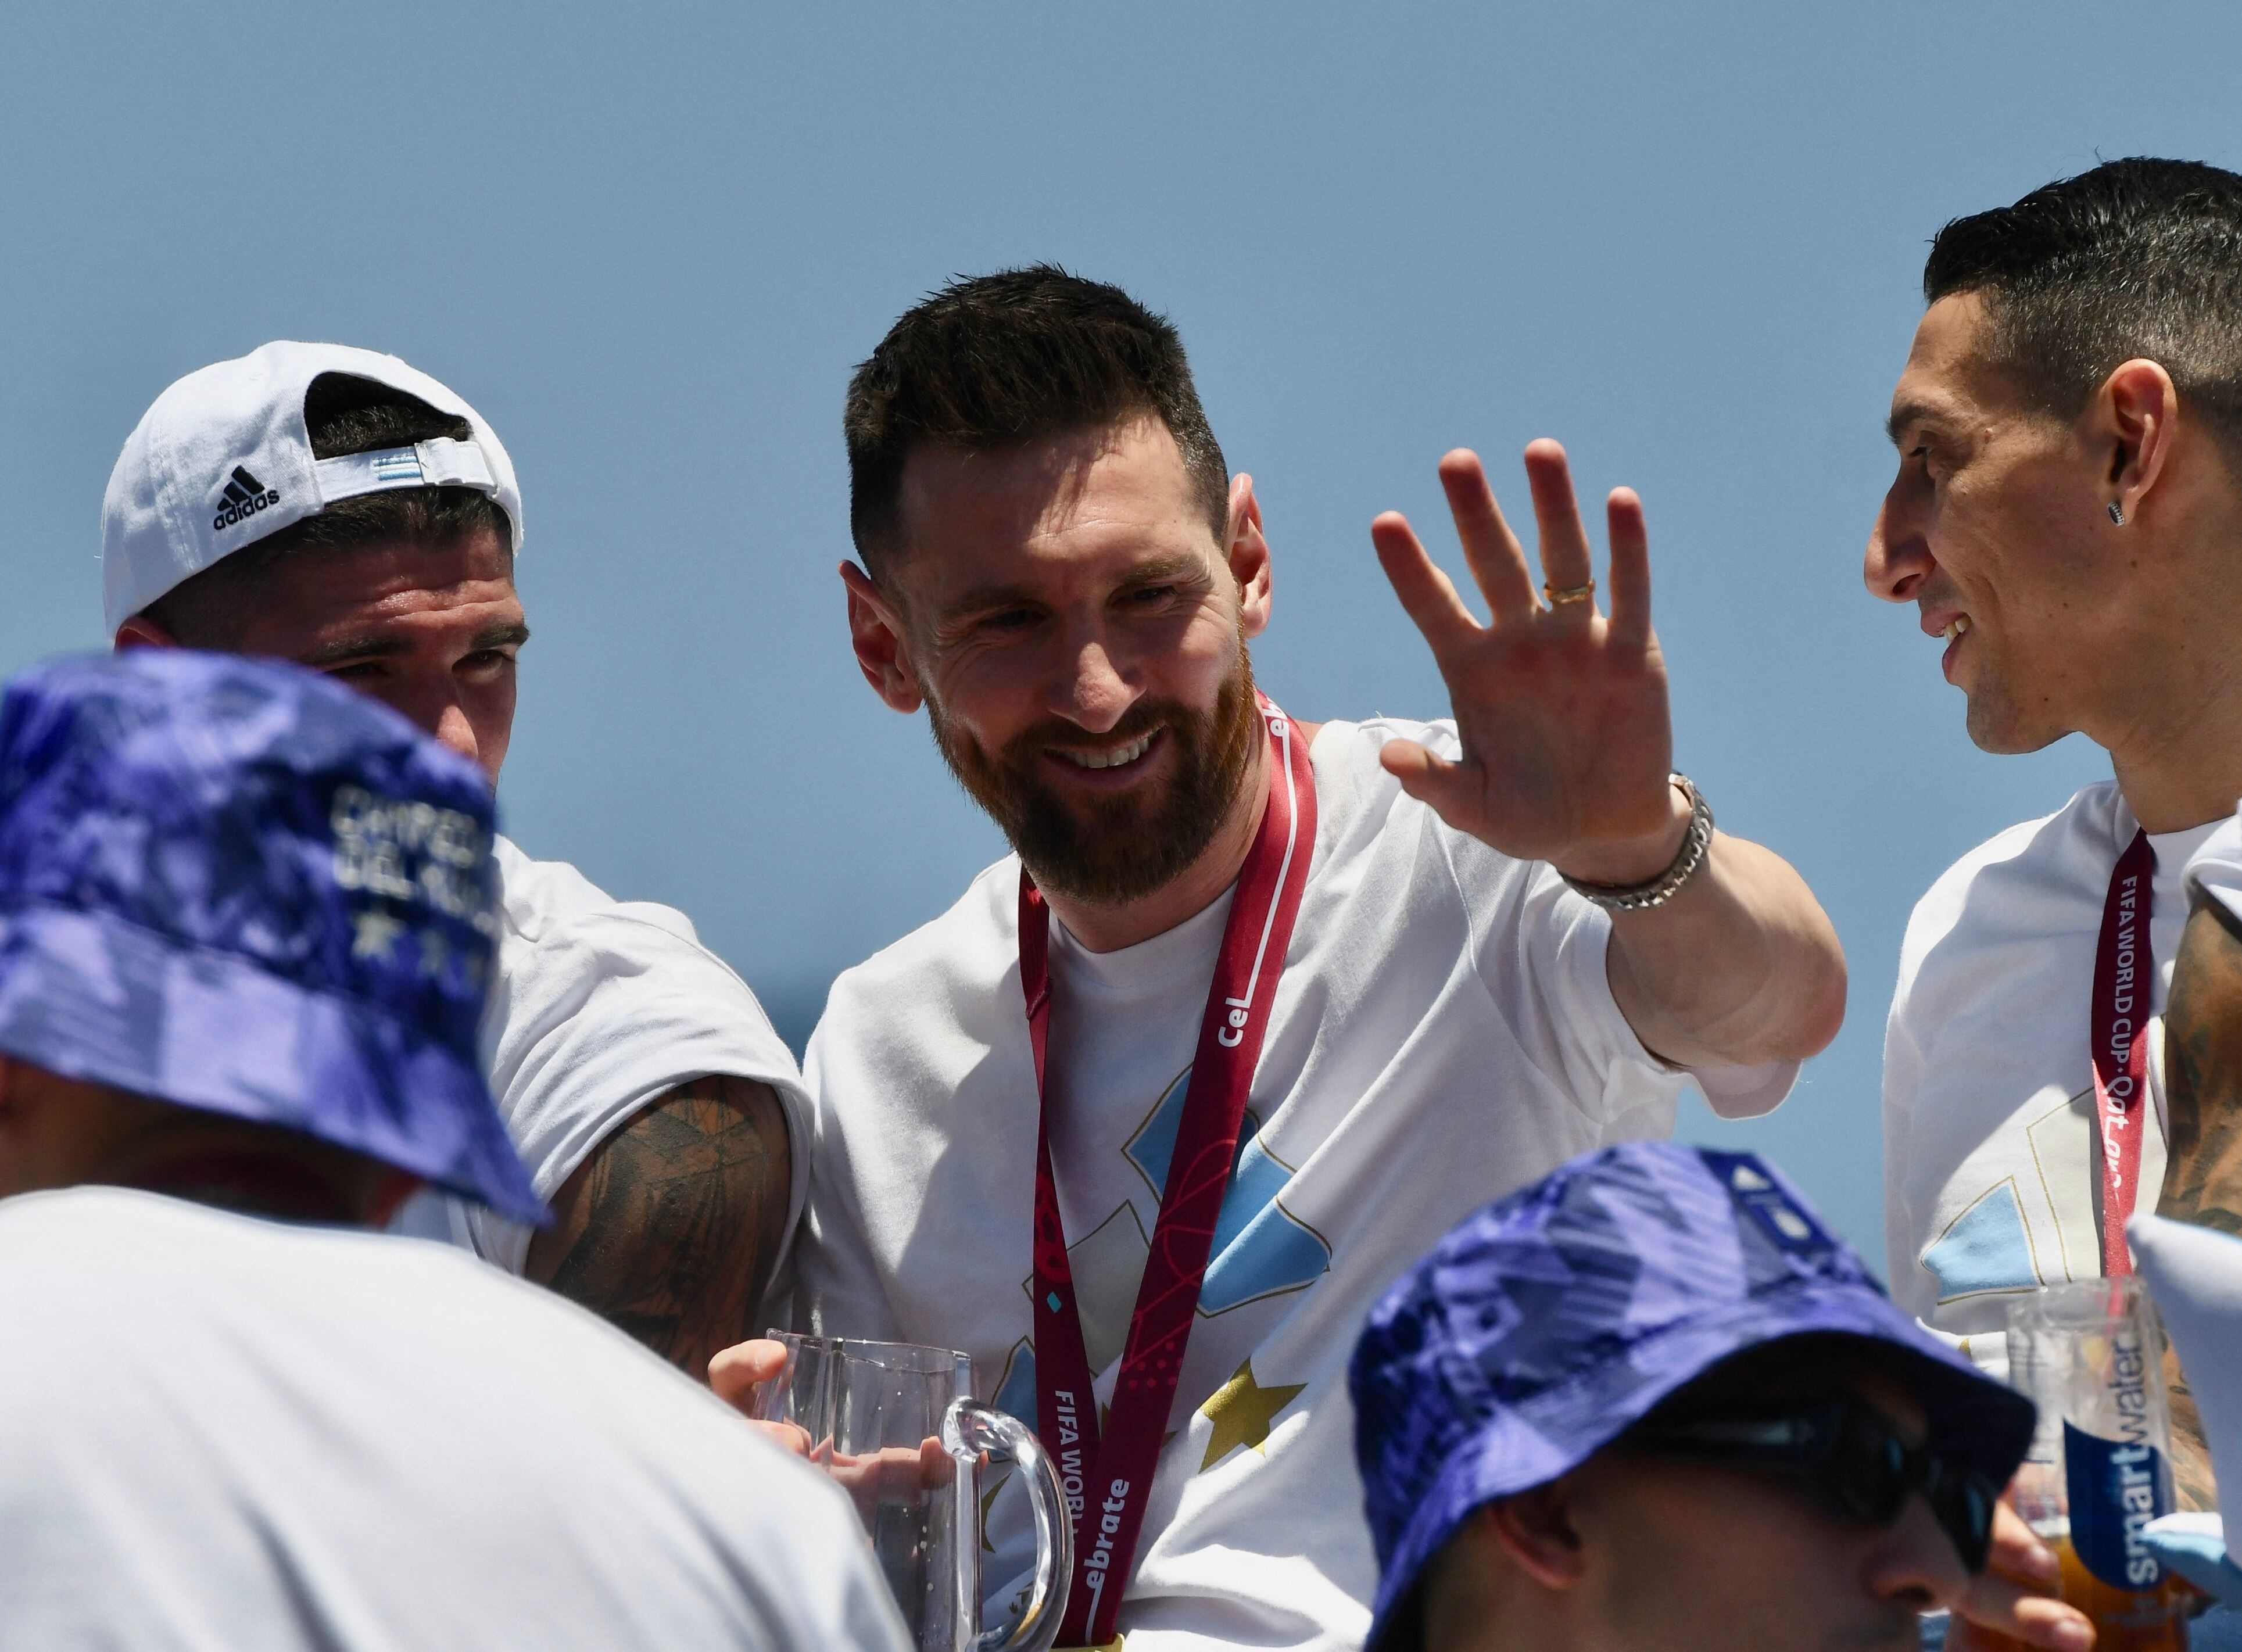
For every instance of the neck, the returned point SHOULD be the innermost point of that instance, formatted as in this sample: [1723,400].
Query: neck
[1103,926]
[2178,761]
[239,1177]
[1471,1603]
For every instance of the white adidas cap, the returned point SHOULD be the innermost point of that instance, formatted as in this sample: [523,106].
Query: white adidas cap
[222,460]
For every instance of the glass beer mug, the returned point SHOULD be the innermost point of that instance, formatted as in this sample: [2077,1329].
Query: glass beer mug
[2090,1355]
[895,1425]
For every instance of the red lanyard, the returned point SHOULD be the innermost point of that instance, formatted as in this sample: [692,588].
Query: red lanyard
[2125,969]
[1107,1485]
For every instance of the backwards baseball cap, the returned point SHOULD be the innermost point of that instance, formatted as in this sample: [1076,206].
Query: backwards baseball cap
[1550,1322]
[223,459]
[236,885]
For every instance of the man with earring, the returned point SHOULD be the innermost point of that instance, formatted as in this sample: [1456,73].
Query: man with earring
[2068,518]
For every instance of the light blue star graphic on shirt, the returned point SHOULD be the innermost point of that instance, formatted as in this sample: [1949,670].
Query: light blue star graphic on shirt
[1985,1248]
[1015,1394]
[1261,1248]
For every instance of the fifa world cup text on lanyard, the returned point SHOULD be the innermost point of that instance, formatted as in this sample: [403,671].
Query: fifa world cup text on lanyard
[1109,1480]
[2124,971]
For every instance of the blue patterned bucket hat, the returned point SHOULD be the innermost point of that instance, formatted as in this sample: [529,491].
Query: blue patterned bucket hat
[236,885]
[1552,1320]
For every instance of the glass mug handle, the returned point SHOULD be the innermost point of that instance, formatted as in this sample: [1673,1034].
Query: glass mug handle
[968,1429]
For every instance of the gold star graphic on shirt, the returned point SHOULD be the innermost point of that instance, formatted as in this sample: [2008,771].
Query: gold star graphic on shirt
[1241,1411]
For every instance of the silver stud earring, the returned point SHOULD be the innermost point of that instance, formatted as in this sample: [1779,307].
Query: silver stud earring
[2117,516]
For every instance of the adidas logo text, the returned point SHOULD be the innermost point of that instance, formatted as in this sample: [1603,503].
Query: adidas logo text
[243,497]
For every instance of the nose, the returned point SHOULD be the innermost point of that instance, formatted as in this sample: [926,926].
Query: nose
[1913,1562]
[1095,691]
[431,702]
[1898,558]
[453,730]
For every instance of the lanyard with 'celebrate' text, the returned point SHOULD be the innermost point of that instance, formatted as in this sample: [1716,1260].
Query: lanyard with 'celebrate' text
[1107,1472]
[2125,969]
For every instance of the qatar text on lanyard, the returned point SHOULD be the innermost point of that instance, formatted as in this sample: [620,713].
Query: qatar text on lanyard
[2124,968]
[1108,1480]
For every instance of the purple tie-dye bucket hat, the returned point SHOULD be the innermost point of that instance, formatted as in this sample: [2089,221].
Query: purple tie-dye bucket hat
[236,885]
[1549,1323]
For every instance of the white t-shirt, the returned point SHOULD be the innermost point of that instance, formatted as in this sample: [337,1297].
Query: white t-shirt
[597,1007]
[2216,867]
[1443,1033]
[1992,1180]
[220,1432]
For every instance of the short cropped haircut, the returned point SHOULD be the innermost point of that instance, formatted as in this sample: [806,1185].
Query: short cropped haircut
[2138,258]
[997,361]
[344,414]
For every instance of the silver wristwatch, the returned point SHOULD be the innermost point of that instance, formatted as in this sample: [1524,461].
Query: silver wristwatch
[1641,897]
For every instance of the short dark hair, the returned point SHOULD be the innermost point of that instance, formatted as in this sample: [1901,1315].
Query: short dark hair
[343,414]
[2137,258]
[998,360]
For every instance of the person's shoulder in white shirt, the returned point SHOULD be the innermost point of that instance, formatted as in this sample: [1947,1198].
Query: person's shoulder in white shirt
[217,1430]
[603,1013]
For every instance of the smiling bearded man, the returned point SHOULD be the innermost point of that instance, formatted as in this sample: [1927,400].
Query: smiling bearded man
[2067,516]
[1333,978]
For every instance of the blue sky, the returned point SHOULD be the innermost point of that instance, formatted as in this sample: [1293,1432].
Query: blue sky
[649,243]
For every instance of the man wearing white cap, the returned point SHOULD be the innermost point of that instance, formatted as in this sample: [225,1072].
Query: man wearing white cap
[334,506]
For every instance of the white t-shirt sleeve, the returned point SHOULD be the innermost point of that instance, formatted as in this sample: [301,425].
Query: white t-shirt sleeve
[1543,953]
[600,1007]
[2215,868]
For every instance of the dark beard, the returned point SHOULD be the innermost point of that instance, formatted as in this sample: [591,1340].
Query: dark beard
[1134,844]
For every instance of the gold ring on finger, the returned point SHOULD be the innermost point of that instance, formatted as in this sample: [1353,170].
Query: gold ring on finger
[1570,594]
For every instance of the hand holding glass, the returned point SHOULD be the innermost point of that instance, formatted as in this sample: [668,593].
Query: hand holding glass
[896,1426]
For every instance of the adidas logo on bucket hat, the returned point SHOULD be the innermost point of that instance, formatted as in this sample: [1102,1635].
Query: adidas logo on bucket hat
[222,460]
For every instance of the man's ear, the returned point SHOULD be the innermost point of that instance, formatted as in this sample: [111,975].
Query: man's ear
[1248,554]
[141,632]
[876,631]
[2136,408]
[1536,1529]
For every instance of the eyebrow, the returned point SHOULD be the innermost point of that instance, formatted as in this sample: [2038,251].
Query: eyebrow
[377,646]
[1905,414]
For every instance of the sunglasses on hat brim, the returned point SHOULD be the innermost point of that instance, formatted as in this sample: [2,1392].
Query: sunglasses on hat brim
[1850,1456]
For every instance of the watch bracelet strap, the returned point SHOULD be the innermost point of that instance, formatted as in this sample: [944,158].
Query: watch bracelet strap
[1657,891]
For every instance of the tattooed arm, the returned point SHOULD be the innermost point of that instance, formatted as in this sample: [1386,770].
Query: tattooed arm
[670,1229]
[2203,1100]
[2203,1074]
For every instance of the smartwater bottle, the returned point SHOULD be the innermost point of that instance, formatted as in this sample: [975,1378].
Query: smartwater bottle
[2090,1355]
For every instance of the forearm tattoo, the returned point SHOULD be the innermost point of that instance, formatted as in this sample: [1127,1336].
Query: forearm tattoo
[671,1229]
[2203,1103]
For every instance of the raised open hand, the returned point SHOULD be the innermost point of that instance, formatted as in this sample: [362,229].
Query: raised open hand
[1566,737]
